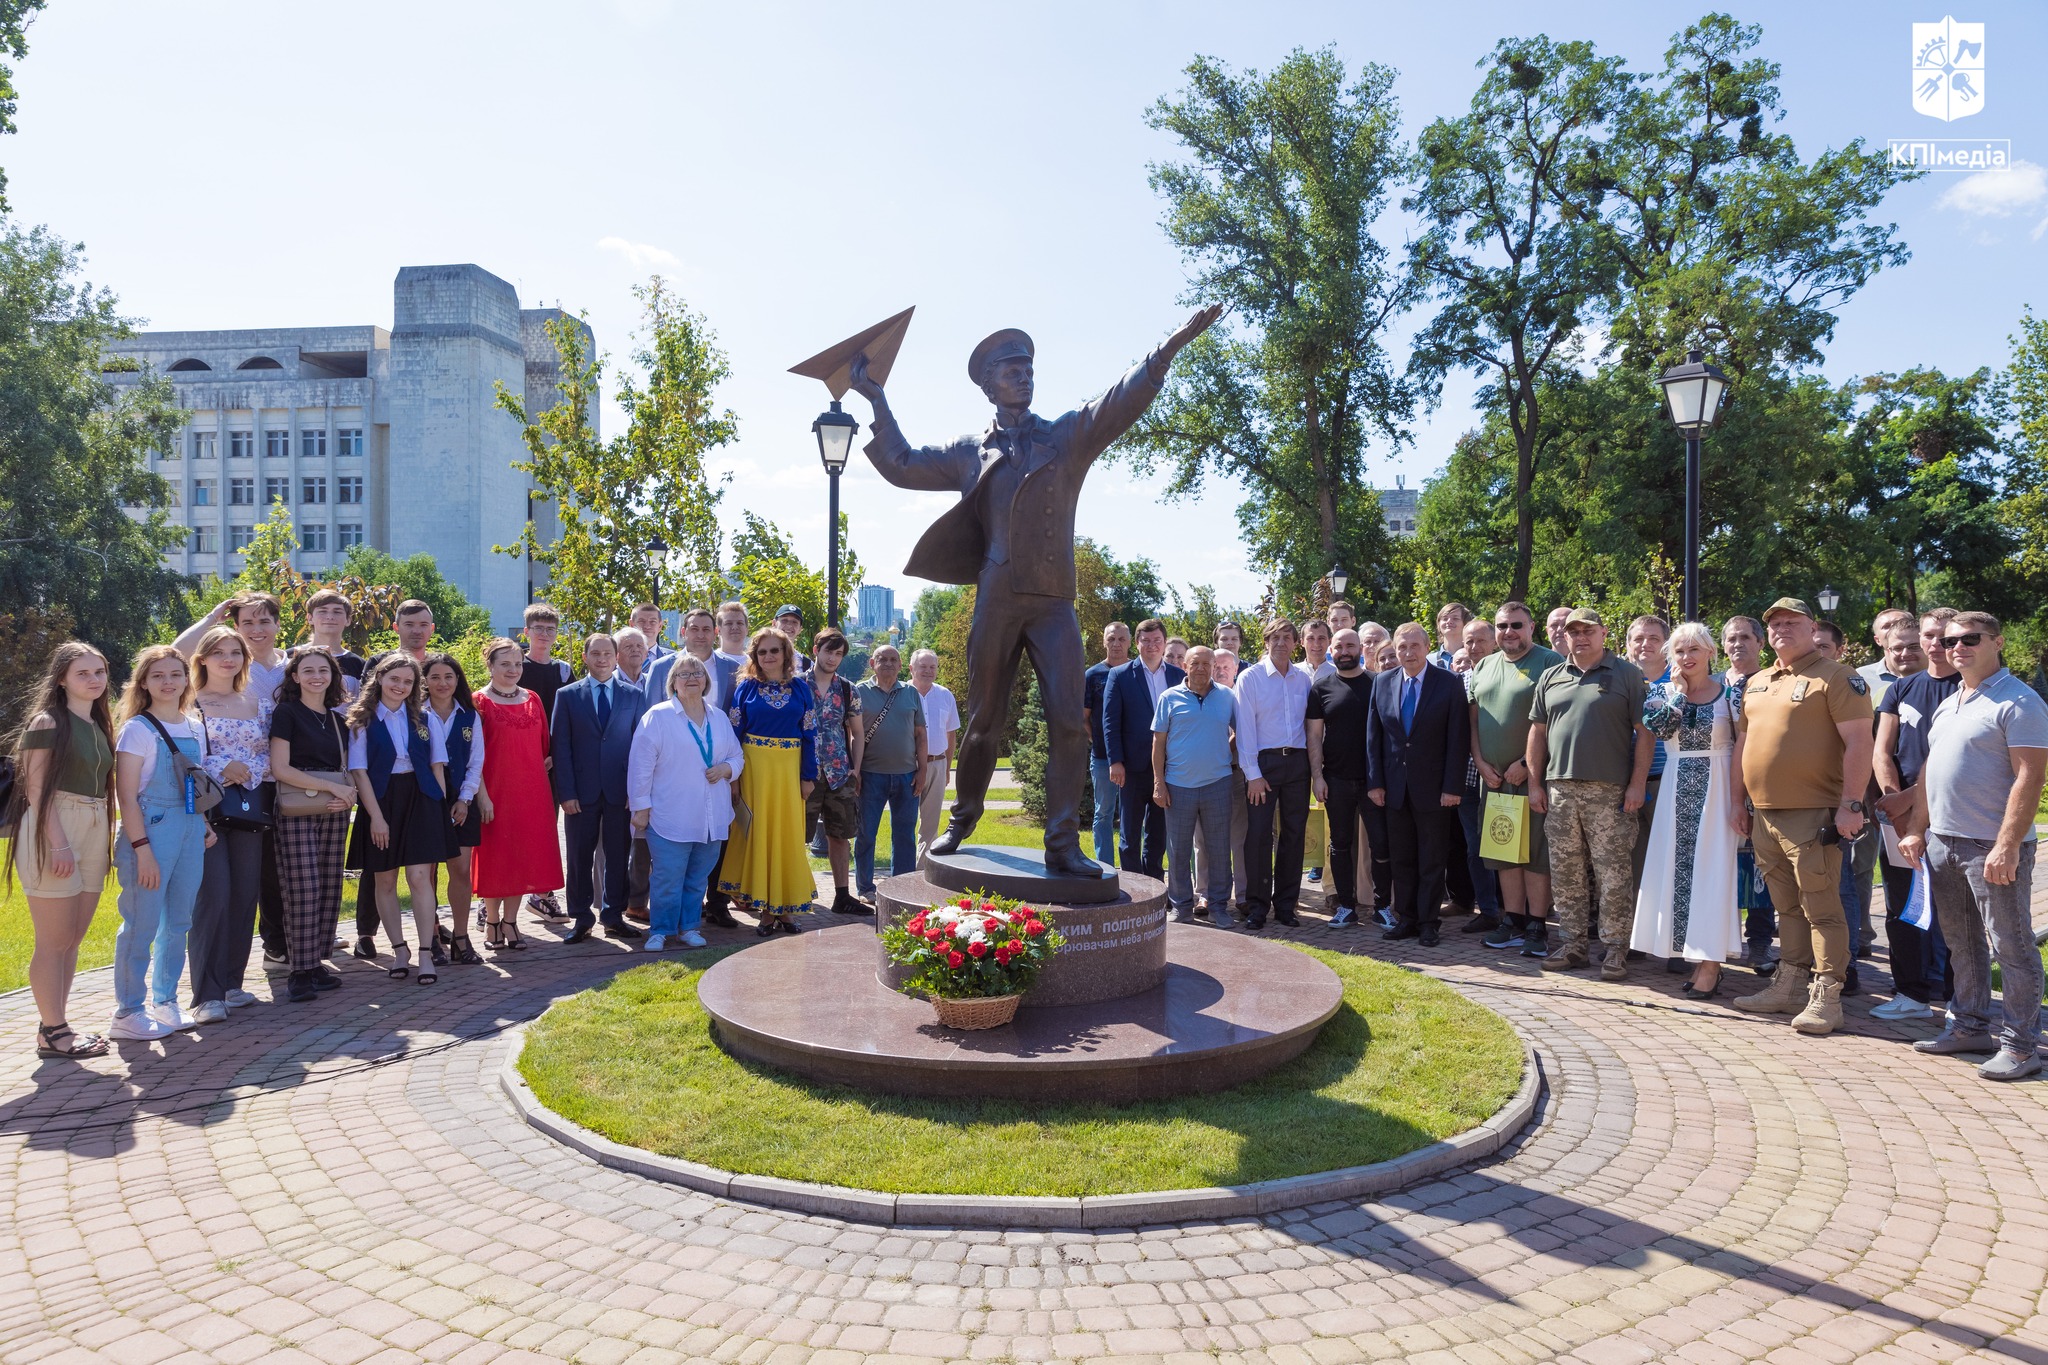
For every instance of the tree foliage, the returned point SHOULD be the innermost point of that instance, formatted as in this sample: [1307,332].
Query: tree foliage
[767,573]
[637,514]
[82,530]
[1274,207]
[14,19]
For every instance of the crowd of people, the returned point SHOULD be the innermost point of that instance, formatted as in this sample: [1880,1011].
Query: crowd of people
[1575,804]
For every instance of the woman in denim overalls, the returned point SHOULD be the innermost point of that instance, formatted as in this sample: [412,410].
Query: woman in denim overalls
[160,854]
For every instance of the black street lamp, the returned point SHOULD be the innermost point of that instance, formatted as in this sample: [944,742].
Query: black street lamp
[1339,580]
[1829,600]
[1694,391]
[835,431]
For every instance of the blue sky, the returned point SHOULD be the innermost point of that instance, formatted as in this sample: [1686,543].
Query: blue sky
[800,172]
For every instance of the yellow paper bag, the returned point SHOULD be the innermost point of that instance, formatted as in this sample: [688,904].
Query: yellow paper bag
[1504,828]
[1315,844]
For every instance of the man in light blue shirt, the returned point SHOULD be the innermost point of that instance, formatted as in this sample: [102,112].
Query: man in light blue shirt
[1192,753]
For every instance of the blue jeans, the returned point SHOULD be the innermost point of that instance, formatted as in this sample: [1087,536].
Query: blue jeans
[1209,807]
[891,792]
[149,947]
[676,882]
[1108,803]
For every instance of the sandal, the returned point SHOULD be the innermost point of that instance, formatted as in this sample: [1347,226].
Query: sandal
[428,976]
[48,1036]
[437,954]
[787,925]
[765,928]
[401,970]
[512,939]
[463,953]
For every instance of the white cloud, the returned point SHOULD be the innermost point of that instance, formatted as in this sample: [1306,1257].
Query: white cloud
[1998,194]
[640,255]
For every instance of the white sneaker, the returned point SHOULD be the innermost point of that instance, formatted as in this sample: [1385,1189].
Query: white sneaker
[693,939]
[210,1012]
[1901,1007]
[172,1016]
[238,998]
[137,1028]
[655,943]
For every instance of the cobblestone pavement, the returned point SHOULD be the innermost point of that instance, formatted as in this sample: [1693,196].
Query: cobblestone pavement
[343,1182]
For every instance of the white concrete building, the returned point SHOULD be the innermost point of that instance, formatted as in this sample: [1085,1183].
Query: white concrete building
[391,438]
[1400,504]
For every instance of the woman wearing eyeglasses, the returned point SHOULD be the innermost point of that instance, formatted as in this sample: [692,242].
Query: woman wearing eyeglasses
[776,718]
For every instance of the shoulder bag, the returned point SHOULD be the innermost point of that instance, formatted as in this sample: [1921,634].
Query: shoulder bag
[205,791]
[244,808]
[294,801]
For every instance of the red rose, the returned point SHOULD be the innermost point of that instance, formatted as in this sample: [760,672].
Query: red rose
[1034,927]
[954,959]
[966,902]
[978,949]
[1014,946]
[1003,955]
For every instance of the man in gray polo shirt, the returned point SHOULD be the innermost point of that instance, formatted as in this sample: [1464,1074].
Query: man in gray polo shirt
[1987,747]
[892,767]
[1589,759]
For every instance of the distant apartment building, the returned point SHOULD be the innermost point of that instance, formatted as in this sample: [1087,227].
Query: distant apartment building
[875,609]
[1400,505]
[385,437]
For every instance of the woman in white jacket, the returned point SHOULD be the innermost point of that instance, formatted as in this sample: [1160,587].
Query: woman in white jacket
[680,780]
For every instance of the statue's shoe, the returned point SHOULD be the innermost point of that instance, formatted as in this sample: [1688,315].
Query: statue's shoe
[1071,862]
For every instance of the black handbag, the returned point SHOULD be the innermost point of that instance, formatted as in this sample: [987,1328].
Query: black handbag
[243,808]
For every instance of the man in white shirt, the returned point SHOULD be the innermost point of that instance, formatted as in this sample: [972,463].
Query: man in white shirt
[732,633]
[1878,672]
[1272,746]
[1315,643]
[941,723]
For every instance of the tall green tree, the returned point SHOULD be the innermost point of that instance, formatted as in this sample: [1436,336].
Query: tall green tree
[82,531]
[637,514]
[1274,208]
[2023,408]
[767,573]
[1514,249]
[14,19]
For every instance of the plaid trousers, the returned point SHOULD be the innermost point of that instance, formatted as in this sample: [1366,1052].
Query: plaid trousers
[309,859]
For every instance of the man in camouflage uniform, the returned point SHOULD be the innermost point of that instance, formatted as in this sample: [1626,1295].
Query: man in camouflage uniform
[1802,762]
[1589,758]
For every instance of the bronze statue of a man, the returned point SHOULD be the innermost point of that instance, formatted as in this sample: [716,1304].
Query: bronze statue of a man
[1012,536]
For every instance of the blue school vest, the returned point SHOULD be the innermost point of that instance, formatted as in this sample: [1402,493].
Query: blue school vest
[419,747]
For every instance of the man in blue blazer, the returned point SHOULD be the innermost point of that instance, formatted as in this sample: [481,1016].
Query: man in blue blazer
[593,726]
[1417,746]
[1128,700]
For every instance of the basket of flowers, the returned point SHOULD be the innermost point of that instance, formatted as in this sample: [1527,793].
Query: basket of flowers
[973,956]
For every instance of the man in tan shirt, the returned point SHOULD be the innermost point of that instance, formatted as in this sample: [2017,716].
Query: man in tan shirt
[1802,762]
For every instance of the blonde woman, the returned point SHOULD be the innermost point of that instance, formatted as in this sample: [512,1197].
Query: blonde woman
[161,853]
[64,756]
[400,771]
[236,744]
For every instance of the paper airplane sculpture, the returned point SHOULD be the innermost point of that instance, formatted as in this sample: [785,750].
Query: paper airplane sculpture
[880,344]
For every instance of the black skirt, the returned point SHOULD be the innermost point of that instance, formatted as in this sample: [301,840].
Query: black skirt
[464,836]
[418,823]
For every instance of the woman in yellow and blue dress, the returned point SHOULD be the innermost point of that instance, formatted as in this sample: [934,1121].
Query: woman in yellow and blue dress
[775,715]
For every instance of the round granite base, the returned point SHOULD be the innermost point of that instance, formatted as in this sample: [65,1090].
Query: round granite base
[1230,1008]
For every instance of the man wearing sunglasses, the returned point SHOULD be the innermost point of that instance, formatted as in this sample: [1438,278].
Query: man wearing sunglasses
[1986,751]
[1802,759]
[1921,977]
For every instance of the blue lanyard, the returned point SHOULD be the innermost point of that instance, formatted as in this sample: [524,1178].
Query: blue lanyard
[703,740]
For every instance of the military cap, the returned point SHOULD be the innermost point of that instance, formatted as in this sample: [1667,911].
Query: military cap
[1791,604]
[1584,616]
[1011,341]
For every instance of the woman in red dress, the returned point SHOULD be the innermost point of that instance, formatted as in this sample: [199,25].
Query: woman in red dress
[519,854]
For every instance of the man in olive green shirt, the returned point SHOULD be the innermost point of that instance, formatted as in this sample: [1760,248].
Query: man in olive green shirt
[1502,685]
[1589,758]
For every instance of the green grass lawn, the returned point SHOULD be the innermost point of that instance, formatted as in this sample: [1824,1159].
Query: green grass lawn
[1406,1061]
[18,938]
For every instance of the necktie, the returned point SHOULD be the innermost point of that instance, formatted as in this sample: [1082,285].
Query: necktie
[604,705]
[1410,689]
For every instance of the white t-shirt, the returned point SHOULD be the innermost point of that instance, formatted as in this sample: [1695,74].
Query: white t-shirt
[941,718]
[140,738]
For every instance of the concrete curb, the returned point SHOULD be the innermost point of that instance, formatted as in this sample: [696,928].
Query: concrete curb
[1017,1211]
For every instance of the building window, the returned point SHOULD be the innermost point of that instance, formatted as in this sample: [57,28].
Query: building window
[312,491]
[205,540]
[171,451]
[241,444]
[205,445]
[348,533]
[177,498]
[349,488]
[348,441]
[202,493]
[241,492]
[313,444]
[240,538]
[277,490]
[1411,525]
[313,538]
[277,444]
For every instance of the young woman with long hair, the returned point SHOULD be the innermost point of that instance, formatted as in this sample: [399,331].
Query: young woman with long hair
[236,725]
[400,771]
[451,714]
[60,853]
[161,854]
[309,754]
[775,716]
[518,853]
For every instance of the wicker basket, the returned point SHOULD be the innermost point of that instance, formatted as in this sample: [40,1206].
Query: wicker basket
[987,1011]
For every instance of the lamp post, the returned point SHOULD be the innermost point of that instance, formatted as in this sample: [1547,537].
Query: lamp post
[1339,580]
[1829,600]
[1694,392]
[835,431]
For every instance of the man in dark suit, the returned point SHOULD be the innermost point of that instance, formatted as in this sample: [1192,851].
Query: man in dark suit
[1012,535]
[593,725]
[1417,746]
[1129,697]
